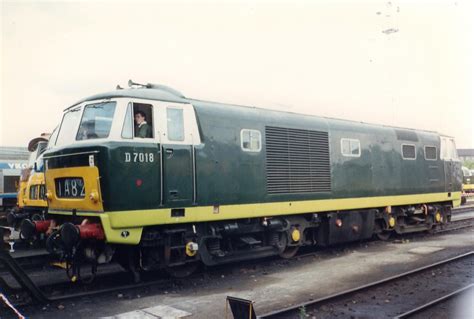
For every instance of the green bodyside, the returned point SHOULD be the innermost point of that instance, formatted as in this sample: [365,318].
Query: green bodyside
[234,176]
[227,175]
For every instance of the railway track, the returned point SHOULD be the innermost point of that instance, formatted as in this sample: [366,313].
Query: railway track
[462,209]
[38,257]
[65,290]
[421,309]
[35,259]
[319,306]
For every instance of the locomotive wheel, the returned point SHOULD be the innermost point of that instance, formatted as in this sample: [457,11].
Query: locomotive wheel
[289,252]
[380,231]
[384,235]
[286,252]
[182,271]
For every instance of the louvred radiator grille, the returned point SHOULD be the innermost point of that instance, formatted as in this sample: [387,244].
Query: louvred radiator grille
[297,161]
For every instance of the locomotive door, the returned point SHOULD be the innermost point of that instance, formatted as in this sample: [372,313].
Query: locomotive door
[448,173]
[177,174]
[447,154]
[178,156]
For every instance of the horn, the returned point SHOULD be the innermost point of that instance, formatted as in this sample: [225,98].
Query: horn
[131,83]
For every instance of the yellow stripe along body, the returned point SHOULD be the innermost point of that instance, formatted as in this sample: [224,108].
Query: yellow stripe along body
[133,221]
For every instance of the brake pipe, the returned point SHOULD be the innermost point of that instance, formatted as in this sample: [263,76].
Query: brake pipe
[425,209]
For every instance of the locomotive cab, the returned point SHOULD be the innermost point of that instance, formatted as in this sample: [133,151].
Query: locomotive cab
[99,153]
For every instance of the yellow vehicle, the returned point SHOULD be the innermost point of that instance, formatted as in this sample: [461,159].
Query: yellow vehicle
[468,180]
[31,201]
[467,184]
[25,174]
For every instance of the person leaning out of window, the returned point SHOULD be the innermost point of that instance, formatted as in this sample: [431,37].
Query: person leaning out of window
[142,129]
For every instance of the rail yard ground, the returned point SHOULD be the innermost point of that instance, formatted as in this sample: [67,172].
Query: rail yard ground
[272,283]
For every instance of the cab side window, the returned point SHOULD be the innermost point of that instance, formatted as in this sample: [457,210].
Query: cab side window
[127,129]
[448,149]
[138,122]
[142,115]
[175,123]
[33,192]
[454,152]
[42,192]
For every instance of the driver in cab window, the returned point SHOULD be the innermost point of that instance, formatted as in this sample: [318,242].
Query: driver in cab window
[142,129]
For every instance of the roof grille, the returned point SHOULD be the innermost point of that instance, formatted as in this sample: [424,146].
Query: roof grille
[297,161]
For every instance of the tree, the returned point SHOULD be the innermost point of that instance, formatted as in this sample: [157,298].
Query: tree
[469,164]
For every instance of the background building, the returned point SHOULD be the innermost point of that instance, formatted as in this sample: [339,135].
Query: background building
[12,161]
[466,154]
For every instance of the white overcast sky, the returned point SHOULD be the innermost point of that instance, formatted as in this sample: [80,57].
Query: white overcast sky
[328,58]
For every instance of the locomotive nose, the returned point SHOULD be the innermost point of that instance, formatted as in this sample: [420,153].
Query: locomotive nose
[74,188]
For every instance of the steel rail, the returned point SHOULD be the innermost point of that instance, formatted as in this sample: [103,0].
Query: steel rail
[39,296]
[433,303]
[462,209]
[11,265]
[345,293]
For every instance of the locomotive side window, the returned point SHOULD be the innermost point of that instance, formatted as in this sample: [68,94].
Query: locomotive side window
[52,139]
[67,130]
[127,128]
[33,192]
[250,140]
[444,155]
[454,152]
[408,151]
[96,121]
[350,147]
[143,116]
[448,149]
[42,192]
[175,123]
[431,153]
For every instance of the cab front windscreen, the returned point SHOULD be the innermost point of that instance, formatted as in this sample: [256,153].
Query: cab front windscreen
[96,121]
[89,122]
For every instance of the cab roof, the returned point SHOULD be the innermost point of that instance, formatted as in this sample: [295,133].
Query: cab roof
[153,92]
[165,93]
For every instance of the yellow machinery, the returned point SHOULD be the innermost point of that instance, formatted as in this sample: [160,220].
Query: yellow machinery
[31,200]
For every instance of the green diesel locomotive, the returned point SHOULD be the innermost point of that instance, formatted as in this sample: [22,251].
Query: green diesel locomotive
[215,183]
